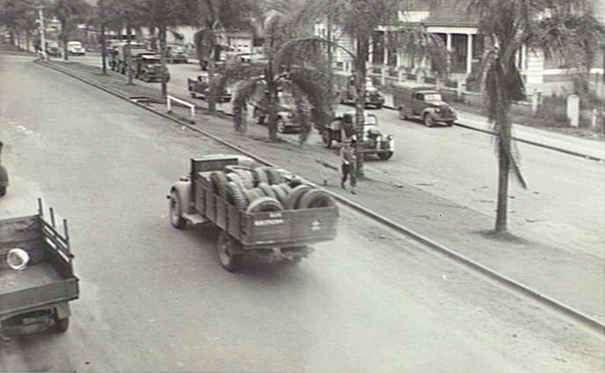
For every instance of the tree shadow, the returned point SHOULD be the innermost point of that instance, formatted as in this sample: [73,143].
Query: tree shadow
[506,237]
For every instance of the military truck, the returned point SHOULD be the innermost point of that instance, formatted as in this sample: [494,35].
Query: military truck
[149,68]
[424,103]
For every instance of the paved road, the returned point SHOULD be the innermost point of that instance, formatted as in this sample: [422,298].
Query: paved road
[155,299]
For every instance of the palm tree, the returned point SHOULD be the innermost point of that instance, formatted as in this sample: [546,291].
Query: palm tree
[69,13]
[163,14]
[303,75]
[217,16]
[358,19]
[562,29]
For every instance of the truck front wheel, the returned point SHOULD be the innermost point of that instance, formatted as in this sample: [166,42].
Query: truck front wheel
[227,252]
[428,120]
[385,156]
[176,211]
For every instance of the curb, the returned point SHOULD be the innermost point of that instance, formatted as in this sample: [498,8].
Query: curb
[511,284]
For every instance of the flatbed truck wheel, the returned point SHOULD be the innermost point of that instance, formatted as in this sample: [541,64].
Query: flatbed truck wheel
[176,211]
[227,256]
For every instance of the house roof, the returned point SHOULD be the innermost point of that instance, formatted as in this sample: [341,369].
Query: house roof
[450,13]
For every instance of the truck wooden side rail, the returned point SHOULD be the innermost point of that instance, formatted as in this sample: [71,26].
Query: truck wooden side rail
[40,291]
[275,234]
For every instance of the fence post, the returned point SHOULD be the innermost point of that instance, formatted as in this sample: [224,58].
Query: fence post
[573,110]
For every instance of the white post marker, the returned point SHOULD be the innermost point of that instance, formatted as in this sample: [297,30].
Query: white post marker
[573,110]
[190,105]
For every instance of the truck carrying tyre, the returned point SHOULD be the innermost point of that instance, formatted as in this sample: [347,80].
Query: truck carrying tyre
[259,210]
[37,279]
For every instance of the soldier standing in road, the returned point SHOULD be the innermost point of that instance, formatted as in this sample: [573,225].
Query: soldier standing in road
[349,164]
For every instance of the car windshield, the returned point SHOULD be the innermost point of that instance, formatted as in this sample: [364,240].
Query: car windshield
[432,97]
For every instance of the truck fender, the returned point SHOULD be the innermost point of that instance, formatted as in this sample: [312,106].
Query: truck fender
[183,189]
[62,311]
[429,110]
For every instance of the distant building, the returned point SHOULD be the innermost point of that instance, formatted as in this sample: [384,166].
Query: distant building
[451,20]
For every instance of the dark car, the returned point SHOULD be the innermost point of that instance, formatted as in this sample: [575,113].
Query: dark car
[53,52]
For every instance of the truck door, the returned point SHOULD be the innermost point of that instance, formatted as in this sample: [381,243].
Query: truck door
[417,103]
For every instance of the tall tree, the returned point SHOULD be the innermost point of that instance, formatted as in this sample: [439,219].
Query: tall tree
[69,13]
[562,29]
[163,14]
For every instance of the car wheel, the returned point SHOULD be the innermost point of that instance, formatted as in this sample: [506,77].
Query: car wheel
[385,156]
[281,126]
[61,325]
[428,120]
[402,114]
[326,138]
[450,123]
[2,191]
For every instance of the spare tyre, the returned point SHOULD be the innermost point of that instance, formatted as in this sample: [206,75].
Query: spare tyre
[267,190]
[260,176]
[265,204]
[234,195]
[282,196]
[315,198]
[218,181]
[274,176]
[295,196]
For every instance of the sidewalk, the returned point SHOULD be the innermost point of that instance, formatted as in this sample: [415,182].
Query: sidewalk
[551,264]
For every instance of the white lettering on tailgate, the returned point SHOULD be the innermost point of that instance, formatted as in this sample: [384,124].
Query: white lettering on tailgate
[266,222]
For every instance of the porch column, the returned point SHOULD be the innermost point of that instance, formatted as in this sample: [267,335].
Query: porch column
[469,54]
[448,45]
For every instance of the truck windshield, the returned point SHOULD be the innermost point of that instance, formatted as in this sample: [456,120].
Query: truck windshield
[432,97]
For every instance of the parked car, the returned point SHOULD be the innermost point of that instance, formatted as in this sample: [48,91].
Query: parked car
[423,103]
[176,54]
[373,141]
[75,48]
[286,118]
[347,92]
[199,88]
[53,52]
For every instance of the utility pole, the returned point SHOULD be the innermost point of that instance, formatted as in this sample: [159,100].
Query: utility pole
[42,33]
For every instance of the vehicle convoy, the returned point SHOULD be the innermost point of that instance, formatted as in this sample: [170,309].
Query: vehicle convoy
[75,48]
[37,279]
[423,103]
[146,64]
[3,174]
[200,88]
[347,93]
[261,211]
[373,141]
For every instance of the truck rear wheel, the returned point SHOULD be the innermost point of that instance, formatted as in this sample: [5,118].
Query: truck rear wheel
[61,325]
[402,114]
[176,211]
[2,191]
[326,137]
[227,248]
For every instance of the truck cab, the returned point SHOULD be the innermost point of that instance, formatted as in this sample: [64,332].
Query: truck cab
[148,67]
[425,104]
[75,48]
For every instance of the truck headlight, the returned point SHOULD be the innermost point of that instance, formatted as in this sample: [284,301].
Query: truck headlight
[438,110]
[390,137]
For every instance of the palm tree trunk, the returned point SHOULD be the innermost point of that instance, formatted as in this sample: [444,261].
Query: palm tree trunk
[162,34]
[103,50]
[129,55]
[360,87]
[504,143]
[211,74]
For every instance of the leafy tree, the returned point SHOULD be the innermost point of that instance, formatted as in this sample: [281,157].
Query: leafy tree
[562,29]
[69,13]
[19,17]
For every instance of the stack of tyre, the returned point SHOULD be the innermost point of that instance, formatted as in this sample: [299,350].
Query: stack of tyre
[264,189]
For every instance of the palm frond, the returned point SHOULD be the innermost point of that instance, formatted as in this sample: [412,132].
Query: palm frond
[417,43]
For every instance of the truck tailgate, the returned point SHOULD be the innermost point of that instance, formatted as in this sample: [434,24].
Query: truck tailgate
[289,227]
[35,286]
